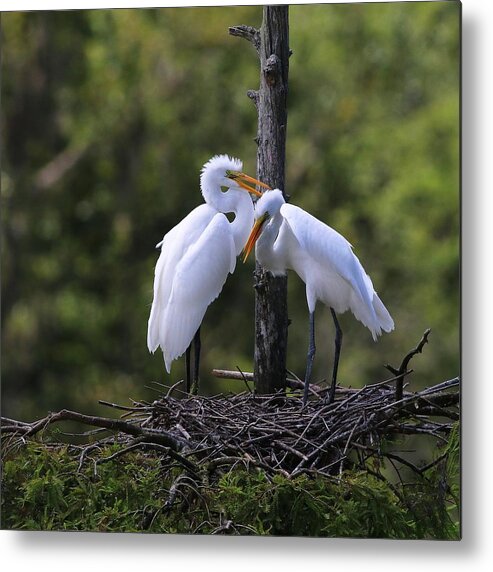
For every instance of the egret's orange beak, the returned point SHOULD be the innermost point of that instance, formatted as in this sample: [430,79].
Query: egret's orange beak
[246,182]
[254,234]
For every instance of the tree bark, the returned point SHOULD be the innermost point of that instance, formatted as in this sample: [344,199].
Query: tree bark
[271,314]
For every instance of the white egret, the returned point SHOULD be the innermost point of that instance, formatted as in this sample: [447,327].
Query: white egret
[287,237]
[196,257]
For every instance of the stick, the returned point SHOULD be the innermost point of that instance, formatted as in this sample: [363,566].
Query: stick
[402,371]
[155,436]
[248,33]
[248,376]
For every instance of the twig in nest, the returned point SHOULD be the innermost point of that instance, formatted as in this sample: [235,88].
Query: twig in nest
[244,379]
[159,437]
[402,371]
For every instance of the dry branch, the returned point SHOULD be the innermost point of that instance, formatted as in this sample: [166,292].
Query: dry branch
[403,371]
[248,33]
[154,436]
[291,383]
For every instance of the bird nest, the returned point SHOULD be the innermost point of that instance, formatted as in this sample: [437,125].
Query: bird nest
[277,434]
[274,433]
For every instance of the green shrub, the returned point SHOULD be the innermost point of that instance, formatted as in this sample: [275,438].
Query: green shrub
[44,488]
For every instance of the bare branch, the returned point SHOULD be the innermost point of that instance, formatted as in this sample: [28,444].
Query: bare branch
[402,371]
[156,436]
[253,95]
[248,377]
[248,33]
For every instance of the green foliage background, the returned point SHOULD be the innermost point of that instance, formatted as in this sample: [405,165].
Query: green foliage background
[129,104]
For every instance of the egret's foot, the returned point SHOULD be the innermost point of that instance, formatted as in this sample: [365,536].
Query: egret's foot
[195,387]
[330,395]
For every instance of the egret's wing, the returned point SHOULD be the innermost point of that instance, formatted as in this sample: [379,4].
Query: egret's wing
[173,247]
[198,281]
[329,248]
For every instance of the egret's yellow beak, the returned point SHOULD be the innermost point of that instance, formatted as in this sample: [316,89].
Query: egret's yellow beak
[254,234]
[246,182]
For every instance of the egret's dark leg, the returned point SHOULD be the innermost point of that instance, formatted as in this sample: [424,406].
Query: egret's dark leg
[187,368]
[337,353]
[196,351]
[309,358]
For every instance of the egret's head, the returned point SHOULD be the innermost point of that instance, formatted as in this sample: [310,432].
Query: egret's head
[266,207]
[225,171]
[269,204]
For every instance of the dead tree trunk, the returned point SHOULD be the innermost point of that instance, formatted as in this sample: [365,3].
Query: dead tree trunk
[271,315]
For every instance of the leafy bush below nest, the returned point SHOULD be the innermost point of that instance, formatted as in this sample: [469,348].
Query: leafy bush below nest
[45,489]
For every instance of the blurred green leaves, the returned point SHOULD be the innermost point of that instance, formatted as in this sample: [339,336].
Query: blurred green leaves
[108,117]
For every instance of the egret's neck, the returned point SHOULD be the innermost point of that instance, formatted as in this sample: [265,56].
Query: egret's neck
[210,187]
[232,201]
[244,217]
[267,252]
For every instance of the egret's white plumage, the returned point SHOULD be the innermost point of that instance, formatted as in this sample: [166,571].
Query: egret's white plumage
[287,237]
[197,255]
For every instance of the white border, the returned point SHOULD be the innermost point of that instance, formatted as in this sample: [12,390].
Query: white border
[89,551]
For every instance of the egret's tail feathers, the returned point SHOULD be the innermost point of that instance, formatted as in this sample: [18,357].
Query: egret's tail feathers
[385,319]
[153,328]
[376,318]
[364,313]
[179,328]
[167,361]
[152,343]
